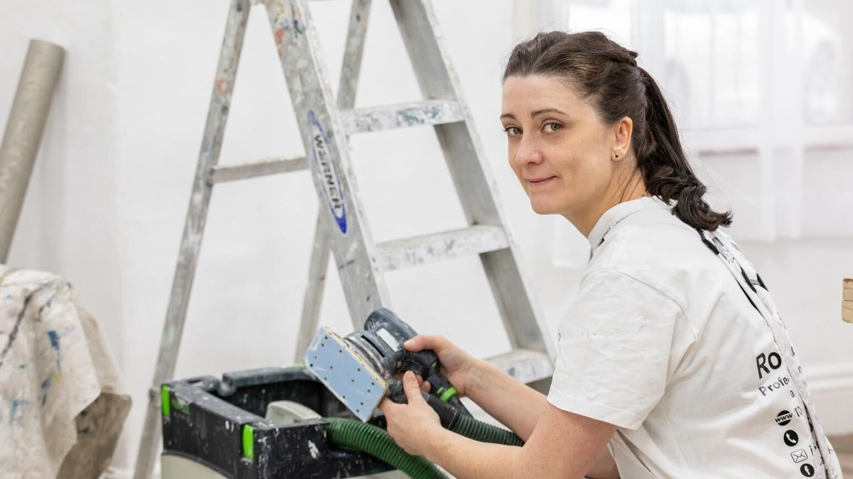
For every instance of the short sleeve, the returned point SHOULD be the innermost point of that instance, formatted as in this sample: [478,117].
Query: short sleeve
[614,349]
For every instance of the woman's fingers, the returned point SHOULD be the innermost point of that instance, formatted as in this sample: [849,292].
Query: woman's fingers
[415,344]
[387,406]
[410,386]
[425,386]
[423,341]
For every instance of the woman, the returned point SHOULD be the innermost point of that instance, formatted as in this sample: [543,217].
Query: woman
[673,352]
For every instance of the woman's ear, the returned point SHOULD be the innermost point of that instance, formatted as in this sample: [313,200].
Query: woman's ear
[622,131]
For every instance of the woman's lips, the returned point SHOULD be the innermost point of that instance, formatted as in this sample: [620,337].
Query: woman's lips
[540,181]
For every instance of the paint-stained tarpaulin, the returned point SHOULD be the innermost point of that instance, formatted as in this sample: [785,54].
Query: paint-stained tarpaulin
[62,401]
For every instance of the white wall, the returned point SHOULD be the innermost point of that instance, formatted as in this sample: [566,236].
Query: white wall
[70,220]
[107,201]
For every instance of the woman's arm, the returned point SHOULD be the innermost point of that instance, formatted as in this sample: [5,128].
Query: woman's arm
[520,408]
[511,402]
[562,445]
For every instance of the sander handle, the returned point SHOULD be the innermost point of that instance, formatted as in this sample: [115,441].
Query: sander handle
[447,413]
[442,389]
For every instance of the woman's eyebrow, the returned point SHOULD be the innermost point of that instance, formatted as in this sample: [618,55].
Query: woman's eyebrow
[535,113]
[546,110]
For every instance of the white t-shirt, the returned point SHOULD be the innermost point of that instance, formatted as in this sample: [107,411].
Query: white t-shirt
[664,344]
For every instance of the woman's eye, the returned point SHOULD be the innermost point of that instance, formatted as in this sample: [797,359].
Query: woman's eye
[552,127]
[513,130]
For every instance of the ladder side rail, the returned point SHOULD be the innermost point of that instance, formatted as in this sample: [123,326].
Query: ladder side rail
[327,149]
[217,116]
[521,315]
[347,88]
[353,54]
[460,144]
[524,322]
[312,302]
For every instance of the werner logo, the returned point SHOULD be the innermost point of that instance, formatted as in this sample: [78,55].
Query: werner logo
[328,172]
[767,362]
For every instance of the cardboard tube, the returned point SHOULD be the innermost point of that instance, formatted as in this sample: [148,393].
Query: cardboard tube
[23,133]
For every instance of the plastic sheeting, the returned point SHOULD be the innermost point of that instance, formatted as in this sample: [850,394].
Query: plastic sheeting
[62,401]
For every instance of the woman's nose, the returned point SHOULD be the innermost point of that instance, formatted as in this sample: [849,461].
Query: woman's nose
[528,151]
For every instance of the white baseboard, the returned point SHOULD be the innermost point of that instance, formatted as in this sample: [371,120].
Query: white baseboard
[831,386]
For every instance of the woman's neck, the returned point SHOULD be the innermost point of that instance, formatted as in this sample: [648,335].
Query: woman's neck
[632,189]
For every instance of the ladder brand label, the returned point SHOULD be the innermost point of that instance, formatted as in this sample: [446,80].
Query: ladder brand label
[328,172]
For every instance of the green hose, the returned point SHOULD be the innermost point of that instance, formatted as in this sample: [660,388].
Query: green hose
[479,431]
[378,443]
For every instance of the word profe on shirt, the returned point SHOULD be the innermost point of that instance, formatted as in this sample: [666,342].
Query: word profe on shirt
[780,383]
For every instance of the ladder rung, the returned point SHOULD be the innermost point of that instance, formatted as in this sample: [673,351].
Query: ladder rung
[432,248]
[524,365]
[267,166]
[430,112]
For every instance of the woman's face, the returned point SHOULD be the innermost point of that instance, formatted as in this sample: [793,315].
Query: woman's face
[559,149]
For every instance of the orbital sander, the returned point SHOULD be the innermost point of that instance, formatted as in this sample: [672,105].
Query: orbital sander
[363,367]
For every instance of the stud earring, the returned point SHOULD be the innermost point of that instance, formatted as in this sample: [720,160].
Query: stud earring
[617,156]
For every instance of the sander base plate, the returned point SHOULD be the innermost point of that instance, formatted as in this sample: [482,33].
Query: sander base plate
[345,373]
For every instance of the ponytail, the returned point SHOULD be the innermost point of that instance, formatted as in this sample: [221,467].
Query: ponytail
[665,168]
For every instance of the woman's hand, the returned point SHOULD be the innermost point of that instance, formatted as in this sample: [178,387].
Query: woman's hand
[456,364]
[413,426]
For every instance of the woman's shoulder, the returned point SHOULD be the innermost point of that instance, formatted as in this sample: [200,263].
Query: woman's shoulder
[663,242]
[666,255]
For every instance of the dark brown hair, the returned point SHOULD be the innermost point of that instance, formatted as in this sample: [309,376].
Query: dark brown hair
[607,74]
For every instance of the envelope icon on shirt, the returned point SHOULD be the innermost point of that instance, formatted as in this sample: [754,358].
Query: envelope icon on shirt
[799,456]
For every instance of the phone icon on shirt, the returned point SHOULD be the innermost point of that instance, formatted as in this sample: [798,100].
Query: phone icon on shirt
[791,438]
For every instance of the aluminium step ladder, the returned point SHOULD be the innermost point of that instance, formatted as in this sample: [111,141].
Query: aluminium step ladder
[325,126]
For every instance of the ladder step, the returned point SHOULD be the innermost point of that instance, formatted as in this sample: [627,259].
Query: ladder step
[267,166]
[524,365]
[432,248]
[430,112]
